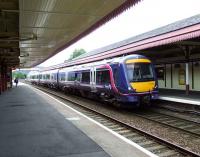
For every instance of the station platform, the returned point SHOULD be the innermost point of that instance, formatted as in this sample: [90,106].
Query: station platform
[180,96]
[34,124]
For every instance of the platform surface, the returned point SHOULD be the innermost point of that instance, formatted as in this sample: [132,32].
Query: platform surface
[180,96]
[29,127]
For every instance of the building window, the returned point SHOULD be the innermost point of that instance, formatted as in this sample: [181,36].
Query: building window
[181,77]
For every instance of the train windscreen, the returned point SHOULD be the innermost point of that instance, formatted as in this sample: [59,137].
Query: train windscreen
[140,72]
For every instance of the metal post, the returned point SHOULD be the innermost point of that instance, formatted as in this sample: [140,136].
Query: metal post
[3,81]
[187,57]
[0,81]
[6,78]
[187,78]
[11,78]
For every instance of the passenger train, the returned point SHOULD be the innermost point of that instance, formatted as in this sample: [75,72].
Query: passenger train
[128,80]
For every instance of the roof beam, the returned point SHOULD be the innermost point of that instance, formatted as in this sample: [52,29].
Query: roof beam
[64,13]
[51,28]
[9,5]
[9,45]
[9,34]
[189,43]
[9,57]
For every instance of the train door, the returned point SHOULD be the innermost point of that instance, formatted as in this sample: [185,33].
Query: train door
[77,79]
[93,79]
[57,78]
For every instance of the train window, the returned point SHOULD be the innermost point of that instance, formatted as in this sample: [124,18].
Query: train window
[103,77]
[48,76]
[85,77]
[55,76]
[140,72]
[71,76]
[160,72]
[62,76]
[78,77]
[116,76]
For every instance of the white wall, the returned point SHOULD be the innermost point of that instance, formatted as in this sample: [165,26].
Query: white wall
[197,77]
[175,77]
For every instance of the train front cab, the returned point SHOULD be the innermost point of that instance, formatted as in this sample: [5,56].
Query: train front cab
[136,81]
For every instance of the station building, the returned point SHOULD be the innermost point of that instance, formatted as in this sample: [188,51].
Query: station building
[174,49]
[30,34]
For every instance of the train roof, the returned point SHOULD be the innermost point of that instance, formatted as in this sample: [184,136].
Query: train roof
[35,72]
[106,61]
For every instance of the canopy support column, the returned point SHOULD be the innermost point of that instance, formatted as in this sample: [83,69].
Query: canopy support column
[187,71]
[187,78]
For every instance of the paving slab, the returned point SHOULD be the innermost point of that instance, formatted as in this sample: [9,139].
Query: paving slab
[30,127]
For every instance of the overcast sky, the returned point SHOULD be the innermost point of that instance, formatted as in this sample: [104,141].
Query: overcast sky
[145,16]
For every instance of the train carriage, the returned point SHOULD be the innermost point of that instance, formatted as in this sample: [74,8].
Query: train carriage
[127,80]
[33,77]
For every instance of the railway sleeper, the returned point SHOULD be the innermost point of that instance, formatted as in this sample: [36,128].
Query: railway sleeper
[148,143]
[118,129]
[169,153]
[124,131]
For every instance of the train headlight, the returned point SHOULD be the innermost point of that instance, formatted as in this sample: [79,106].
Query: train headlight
[156,87]
[131,89]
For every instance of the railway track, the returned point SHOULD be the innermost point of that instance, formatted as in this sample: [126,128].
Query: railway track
[178,107]
[171,121]
[154,144]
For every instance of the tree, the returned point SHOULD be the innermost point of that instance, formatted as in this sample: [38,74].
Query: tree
[76,53]
[18,75]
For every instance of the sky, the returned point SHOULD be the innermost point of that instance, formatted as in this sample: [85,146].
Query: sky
[143,17]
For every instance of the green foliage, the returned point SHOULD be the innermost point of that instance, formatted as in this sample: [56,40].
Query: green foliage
[18,75]
[76,53]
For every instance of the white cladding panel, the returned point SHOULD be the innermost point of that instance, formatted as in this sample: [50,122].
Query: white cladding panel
[197,77]
[176,76]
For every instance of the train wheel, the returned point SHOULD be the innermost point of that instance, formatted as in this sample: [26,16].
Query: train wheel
[116,104]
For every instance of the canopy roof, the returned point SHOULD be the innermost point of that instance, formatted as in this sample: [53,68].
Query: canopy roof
[49,26]
[185,32]
[32,31]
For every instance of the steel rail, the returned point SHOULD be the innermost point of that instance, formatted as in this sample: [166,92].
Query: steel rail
[170,125]
[145,133]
